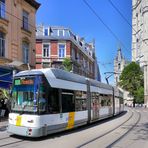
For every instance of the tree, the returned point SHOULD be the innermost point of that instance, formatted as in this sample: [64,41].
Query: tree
[131,80]
[67,64]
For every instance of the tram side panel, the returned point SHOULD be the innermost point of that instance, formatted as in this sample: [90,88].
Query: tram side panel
[101,104]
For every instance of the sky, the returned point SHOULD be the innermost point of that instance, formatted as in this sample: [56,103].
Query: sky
[76,15]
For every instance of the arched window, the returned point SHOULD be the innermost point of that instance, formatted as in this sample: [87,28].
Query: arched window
[25,47]
[2,44]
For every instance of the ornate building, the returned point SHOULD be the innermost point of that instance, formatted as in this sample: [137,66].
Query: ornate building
[54,43]
[17,37]
[140,39]
[17,31]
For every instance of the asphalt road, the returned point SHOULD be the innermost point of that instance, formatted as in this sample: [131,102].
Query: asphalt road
[129,130]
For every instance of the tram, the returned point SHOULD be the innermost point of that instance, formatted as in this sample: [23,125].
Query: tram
[46,101]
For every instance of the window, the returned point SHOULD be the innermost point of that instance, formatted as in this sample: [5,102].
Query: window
[2,8]
[53,100]
[2,44]
[119,66]
[54,32]
[25,52]
[80,100]
[61,32]
[62,50]
[66,33]
[25,20]
[106,100]
[137,40]
[51,95]
[46,32]
[46,50]
[68,103]
[73,54]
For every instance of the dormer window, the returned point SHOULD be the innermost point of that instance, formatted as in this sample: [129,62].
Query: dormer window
[46,31]
[60,32]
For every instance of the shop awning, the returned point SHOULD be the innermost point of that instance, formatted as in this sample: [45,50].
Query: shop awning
[6,75]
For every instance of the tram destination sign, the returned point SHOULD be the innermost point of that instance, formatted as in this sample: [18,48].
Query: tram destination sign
[23,81]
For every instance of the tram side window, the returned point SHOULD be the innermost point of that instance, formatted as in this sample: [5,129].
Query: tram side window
[106,100]
[68,102]
[53,101]
[95,100]
[103,100]
[121,101]
[80,98]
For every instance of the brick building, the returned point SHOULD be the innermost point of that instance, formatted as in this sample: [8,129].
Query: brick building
[53,44]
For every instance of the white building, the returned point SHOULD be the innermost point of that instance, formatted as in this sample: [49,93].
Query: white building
[140,38]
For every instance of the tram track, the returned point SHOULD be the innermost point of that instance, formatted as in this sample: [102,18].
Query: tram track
[10,143]
[125,134]
[112,130]
[5,138]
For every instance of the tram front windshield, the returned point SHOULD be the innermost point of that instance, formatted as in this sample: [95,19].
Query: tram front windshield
[24,95]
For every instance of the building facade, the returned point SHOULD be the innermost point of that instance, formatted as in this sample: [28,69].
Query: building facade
[119,64]
[140,39]
[17,31]
[17,38]
[54,44]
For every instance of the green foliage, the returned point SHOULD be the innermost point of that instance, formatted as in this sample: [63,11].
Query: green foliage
[131,79]
[139,97]
[4,94]
[67,64]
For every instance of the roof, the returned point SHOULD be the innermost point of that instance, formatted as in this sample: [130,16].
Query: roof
[33,3]
[58,77]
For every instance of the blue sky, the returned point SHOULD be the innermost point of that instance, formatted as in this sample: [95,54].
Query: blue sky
[75,15]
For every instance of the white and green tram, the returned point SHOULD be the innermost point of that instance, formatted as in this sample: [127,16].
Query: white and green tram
[46,101]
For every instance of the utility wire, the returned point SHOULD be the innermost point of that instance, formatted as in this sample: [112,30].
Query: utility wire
[107,27]
[112,4]
[121,15]
[34,27]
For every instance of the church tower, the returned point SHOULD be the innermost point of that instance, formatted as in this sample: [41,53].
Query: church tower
[119,64]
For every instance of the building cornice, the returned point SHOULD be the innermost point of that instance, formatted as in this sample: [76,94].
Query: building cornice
[33,3]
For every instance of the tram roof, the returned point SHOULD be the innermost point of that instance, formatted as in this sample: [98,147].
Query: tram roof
[64,75]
